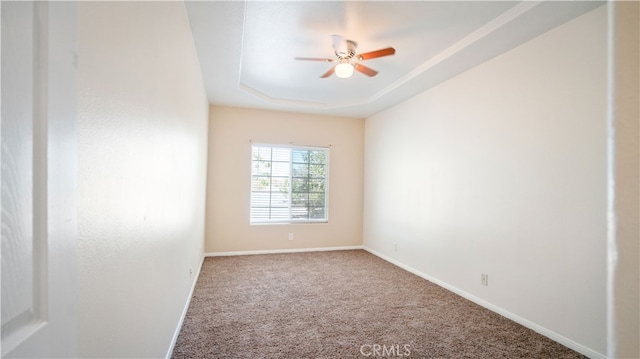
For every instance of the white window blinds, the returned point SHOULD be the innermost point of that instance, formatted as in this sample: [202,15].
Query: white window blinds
[288,184]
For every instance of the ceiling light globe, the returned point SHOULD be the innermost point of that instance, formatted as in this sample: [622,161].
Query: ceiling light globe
[344,70]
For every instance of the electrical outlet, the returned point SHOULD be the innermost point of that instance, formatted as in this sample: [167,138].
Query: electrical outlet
[290,236]
[190,272]
[395,246]
[484,279]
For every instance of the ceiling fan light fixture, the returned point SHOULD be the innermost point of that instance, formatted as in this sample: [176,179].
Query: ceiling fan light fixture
[344,70]
[348,60]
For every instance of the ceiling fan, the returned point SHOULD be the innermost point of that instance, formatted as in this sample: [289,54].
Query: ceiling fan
[347,59]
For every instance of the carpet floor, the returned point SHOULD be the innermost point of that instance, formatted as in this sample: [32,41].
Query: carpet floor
[341,304]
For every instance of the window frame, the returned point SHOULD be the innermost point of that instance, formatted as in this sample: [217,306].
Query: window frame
[326,184]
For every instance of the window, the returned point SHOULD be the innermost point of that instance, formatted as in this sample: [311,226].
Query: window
[288,184]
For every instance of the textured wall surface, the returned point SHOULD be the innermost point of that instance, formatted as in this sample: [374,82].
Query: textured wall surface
[229,179]
[502,170]
[142,174]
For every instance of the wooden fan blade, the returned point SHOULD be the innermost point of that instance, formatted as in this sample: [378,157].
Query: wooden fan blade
[329,73]
[313,59]
[366,70]
[378,53]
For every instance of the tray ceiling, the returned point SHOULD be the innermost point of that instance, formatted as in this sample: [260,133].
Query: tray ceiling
[247,49]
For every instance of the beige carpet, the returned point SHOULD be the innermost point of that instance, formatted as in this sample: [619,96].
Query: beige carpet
[341,304]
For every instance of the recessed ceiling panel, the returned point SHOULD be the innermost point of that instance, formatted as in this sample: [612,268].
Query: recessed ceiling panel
[277,32]
[247,48]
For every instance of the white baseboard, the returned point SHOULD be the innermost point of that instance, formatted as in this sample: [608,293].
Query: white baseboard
[275,251]
[184,311]
[522,321]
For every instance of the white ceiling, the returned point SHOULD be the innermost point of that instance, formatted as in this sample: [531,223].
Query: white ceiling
[247,49]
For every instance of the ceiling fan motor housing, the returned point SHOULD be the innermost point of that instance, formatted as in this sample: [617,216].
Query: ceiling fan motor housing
[349,52]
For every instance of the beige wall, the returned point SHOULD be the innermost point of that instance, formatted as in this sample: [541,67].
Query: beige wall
[231,131]
[142,143]
[624,245]
[502,170]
